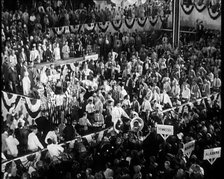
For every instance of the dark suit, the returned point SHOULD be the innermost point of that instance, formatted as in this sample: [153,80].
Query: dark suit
[129,87]
[69,132]
[20,70]
[13,77]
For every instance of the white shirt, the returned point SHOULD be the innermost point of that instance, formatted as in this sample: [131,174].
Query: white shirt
[57,54]
[33,142]
[217,82]
[123,93]
[146,105]
[90,108]
[55,150]
[26,85]
[51,135]
[14,124]
[33,55]
[165,99]
[175,90]
[117,112]
[87,71]
[12,143]
[186,93]
[114,56]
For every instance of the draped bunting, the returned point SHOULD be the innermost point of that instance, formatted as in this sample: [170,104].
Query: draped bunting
[140,24]
[187,8]
[9,100]
[103,26]
[75,28]
[200,7]
[89,27]
[141,21]
[31,108]
[129,22]
[213,10]
[34,105]
[153,20]
[59,30]
[164,18]
[116,24]
[214,15]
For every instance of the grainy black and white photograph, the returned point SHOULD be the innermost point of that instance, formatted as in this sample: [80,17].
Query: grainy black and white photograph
[111,89]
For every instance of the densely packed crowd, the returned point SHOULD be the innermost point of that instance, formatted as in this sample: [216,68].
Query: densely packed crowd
[129,82]
[132,77]
[26,40]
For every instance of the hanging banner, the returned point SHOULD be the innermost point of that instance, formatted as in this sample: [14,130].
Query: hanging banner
[188,148]
[92,57]
[212,154]
[89,27]
[187,8]
[117,24]
[103,26]
[141,21]
[29,107]
[129,23]
[164,130]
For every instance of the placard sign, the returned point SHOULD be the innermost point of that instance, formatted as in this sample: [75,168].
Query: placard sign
[164,130]
[212,154]
[92,57]
[188,148]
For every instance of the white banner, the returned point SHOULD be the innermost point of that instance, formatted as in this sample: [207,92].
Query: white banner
[164,130]
[188,148]
[212,154]
[92,57]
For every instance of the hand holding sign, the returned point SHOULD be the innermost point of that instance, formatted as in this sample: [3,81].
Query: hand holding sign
[164,130]
[188,148]
[212,154]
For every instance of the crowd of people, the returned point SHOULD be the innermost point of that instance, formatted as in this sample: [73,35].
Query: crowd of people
[134,77]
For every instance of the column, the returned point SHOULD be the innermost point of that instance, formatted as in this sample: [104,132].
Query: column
[176,22]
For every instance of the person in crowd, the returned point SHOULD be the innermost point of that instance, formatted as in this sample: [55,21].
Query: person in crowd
[26,84]
[65,51]
[33,141]
[117,113]
[84,122]
[195,91]
[34,55]
[54,149]
[185,92]
[57,52]
[4,137]
[98,119]
[216,83]
[70,131]
[53,135]
[12,143]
